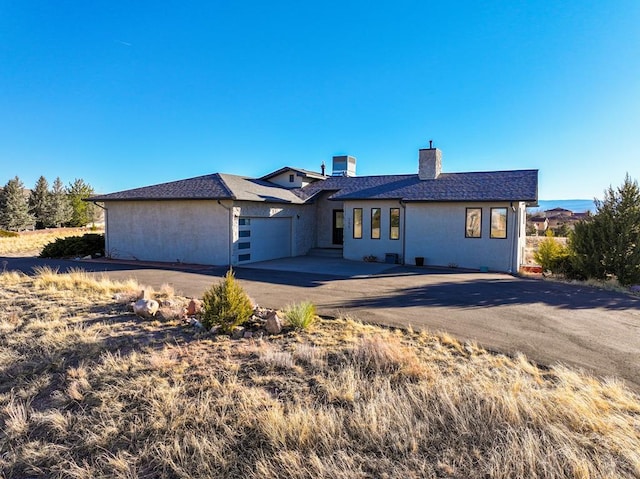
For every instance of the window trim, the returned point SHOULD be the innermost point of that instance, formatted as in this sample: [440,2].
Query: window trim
[354,223]
[379,227]
[506,222]
[292,178]
[391,210]
[466,223]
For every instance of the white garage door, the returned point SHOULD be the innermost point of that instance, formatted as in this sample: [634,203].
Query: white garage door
[263,238]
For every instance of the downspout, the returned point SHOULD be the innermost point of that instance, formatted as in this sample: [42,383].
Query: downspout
[404,230]
[106,229]
[230,210]
[515,239]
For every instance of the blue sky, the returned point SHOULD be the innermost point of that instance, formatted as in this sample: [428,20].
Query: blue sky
[127,94]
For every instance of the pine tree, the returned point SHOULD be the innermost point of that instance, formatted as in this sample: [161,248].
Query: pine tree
[609,243]
[39,200]
[59,208]
[82,212]
[14,208]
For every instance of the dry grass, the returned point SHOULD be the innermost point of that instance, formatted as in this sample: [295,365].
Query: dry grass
[88,390]
[32,242]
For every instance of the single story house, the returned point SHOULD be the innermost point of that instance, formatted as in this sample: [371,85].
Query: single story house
[472,220]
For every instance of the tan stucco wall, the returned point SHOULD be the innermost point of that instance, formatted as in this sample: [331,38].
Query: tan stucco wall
[356,249]
[303,225]
[436,231]
[171,231]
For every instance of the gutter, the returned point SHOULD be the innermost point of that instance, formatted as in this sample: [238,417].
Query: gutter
[106,227]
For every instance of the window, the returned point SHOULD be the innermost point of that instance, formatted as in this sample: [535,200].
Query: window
[375,223]
[291,178]
[473,224]
[244,221]
[246,245]
[357,223]
[244,257]
[498,222]
[394,223]
[244,233]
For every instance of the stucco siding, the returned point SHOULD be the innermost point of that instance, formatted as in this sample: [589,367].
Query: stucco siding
[170,231]
[436,231]
[357,248]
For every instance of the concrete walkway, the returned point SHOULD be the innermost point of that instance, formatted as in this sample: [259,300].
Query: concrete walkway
[325,266]
[549,322]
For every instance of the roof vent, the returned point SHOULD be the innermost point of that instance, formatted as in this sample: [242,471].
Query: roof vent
[344,166]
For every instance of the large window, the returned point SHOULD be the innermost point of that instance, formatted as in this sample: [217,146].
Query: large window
[375,223]
[498,222]
[394,223]
[473,224]
[357,223]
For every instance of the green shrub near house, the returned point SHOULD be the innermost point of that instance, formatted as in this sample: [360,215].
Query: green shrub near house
[90,244]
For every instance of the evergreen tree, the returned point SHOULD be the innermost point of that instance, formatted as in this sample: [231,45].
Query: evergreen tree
[609,243]
[82,212]
[14,208]
[59,208]
[39,200]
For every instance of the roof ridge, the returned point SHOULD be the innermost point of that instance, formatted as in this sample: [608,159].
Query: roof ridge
[225,185]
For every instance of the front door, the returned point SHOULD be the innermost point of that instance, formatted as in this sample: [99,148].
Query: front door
[338,227]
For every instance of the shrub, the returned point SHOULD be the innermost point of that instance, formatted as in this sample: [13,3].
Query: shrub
[552,256]
[301,315]
[8,234]
[226,304]
[89,244]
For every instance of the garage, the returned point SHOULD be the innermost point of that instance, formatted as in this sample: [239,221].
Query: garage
[261,239]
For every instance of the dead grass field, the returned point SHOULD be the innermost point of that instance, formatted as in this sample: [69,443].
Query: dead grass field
[89,390]
[32,242]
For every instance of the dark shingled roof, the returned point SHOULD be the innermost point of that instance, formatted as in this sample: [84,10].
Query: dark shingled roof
[209,187]
[516,185]
[200,188]
[309,173]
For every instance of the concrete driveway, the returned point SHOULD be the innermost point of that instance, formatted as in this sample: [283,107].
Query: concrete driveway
[550,322]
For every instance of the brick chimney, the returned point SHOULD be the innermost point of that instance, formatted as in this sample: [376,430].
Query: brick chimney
[429,163]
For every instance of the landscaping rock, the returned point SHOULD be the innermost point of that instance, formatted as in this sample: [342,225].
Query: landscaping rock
[273,323]
[237,333]
[146,308]
[248,335]
[194,307]
[196,324]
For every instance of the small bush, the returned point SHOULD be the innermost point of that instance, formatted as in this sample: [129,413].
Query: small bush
[8,234]
[226,304]
[552,256]
[72,246]
[301,315]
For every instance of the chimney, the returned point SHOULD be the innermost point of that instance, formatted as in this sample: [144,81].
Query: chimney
[344,166]
[322,168]
[429,163]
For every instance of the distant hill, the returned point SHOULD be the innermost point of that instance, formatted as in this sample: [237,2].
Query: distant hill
[577,206]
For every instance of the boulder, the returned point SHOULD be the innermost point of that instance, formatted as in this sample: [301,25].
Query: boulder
[194,307]
[146,308]
[273,323]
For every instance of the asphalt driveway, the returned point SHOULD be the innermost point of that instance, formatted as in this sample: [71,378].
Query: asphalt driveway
[550,322]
